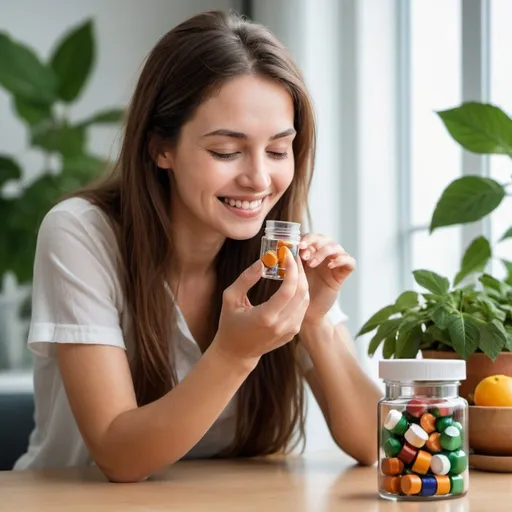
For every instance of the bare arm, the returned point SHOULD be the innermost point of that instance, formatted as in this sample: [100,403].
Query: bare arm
[346,395]
[130,443]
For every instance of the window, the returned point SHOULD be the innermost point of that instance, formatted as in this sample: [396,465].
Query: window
[500,41]
[452,44]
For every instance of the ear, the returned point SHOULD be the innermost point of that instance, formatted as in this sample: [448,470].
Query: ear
[164,160]
[161,153]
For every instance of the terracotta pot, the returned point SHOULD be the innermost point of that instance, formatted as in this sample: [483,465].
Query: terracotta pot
[478,366]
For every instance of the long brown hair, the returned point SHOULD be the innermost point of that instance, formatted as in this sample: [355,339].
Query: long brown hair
[185,66]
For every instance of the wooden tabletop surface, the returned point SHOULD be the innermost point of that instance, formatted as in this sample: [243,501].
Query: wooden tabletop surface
[307,483]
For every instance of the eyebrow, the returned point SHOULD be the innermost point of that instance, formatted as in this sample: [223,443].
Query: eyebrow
[239,135]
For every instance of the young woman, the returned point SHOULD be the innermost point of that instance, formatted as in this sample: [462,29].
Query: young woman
[155,336]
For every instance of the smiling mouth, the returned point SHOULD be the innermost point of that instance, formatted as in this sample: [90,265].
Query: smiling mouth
[242,205]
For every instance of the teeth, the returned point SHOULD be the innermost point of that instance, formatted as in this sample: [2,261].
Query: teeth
[244,205]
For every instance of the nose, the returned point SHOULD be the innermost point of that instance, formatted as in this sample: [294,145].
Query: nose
[254,175]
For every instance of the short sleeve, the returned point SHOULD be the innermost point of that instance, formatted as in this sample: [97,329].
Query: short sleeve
[74,286]
[336,316]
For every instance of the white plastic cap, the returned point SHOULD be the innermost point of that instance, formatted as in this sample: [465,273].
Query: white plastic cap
[409,370]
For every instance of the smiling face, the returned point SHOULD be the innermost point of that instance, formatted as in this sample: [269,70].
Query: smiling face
[234,159]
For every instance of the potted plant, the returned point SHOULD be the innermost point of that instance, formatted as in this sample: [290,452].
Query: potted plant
[470,317]
[42,94]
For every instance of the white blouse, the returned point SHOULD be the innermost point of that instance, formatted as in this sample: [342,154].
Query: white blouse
[78,298]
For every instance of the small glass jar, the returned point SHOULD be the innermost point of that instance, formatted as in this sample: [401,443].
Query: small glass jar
[423,434]
[278,235]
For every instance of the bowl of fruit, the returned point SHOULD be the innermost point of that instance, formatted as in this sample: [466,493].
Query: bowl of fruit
[490,424]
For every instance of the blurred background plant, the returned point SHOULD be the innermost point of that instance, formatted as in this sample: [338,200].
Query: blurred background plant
[42,94]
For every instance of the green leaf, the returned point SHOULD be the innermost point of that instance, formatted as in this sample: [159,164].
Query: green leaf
[508,266]
[385,330]
[409,338]
[84,165]
[439,335]
[493,338]
[389,348]
[72,61]
[467,199]
[475,258]
[432,282]
[432,297]
[66,140]
[407,300]
[22,74]
[464,335]
[112,116]
[9,170]
[30,111]
[507,234]
[491,284]
[441,315]
[480,128]
[508,343]
[491,310]
[379,317]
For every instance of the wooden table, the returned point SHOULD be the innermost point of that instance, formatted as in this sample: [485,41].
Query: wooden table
[312,482]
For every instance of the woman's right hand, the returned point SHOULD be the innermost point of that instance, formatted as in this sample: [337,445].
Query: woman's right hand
[246,332]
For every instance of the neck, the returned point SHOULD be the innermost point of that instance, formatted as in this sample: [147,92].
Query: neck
[195,247]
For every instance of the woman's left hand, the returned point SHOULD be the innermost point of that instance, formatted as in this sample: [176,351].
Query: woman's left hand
[326,265]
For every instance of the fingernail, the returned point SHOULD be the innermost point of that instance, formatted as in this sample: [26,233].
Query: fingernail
[306,255]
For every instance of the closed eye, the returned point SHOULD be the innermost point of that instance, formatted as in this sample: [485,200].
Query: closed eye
[277,155]
[223,156]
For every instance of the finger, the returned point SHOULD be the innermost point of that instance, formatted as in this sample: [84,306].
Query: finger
[301,295]
[342,267]
[310,244]
[296,309]
[329,250]
[287,290]
[247,279]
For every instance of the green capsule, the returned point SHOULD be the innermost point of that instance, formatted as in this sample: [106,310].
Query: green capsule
[392,447]
[457,425]
[443,422]
[451,439]
[457,484]
[458,461]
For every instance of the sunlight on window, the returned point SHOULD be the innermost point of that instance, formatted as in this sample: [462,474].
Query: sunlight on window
[439,252]
[436,76]
[501,96]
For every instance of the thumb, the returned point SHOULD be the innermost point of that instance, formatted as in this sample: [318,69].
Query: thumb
[248,278]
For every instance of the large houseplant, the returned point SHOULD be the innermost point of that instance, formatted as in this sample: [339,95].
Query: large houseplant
[42,94]
[470,317]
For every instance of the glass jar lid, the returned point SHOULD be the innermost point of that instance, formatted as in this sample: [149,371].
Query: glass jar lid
[410,370]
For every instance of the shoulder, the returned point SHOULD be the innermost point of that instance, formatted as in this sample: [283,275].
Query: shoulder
[77,222]
[79,211]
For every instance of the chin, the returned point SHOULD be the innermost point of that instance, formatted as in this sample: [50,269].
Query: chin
[243,232]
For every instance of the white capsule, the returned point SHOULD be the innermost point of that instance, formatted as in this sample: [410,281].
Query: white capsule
[392,419]
[440,464]
[416,436]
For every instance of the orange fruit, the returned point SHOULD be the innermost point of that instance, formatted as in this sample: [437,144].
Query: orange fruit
[494,391]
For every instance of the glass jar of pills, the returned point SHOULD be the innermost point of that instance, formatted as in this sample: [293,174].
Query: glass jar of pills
[278,235]
[423,435]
